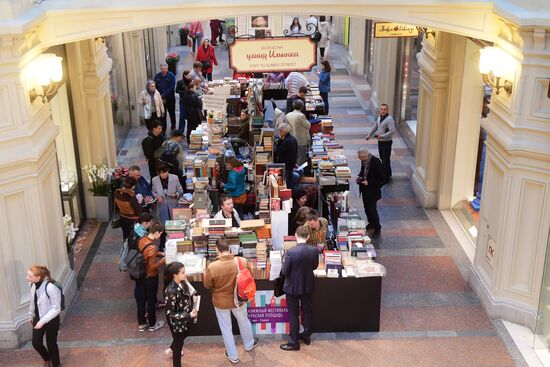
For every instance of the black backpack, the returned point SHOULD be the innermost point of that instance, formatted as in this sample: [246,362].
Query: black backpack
[60,287]
[135,263]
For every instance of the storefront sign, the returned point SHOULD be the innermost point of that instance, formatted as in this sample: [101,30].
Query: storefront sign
[268,314]
[274,54]
[393,30]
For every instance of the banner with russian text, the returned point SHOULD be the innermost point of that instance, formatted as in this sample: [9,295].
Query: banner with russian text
[272,54]
[268,314]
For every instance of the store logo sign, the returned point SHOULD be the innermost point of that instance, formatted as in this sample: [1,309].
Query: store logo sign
[393,30]
[272,54]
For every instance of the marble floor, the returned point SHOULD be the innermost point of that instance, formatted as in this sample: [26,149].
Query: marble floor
[429,317]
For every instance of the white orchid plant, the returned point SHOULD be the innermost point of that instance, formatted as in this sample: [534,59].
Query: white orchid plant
[99,177]
[70,230]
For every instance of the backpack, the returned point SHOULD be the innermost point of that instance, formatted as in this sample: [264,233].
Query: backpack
[122,266]
[317,36]
[60,287]
[245,286]
[135,263]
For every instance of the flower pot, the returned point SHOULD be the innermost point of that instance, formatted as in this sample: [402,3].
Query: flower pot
[172,66]
[102,206]
[70,255]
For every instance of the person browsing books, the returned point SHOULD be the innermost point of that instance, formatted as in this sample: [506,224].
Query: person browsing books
[221,278]
[228,211]
[298,266]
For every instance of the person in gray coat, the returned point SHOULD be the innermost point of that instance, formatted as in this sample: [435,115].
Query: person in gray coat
[299,126]
[383,131]
[167,189]
[298,266]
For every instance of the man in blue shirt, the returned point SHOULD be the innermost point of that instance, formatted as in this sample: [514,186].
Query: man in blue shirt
[142,186]
[166,83]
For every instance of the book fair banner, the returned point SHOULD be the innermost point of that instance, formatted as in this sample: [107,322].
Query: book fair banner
[268,314]
[394,30]
[248,55]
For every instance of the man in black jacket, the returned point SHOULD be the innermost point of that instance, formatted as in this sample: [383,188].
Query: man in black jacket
[286,151]
[150,144]
[370,180]
[301,95]
[298,266]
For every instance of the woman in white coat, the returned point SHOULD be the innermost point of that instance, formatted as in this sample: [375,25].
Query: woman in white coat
[44,310]
[326,31]
[151,100]
[167,189]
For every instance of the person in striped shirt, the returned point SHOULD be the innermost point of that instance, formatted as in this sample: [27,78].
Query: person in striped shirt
[293,82]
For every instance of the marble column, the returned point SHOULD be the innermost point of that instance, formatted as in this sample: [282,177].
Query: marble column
[515,208]
[89,68]
[385,71]
[355,60]
[134,54]
[432,112]
[30,199]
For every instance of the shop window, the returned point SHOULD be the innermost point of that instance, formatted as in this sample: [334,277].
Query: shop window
[66,158]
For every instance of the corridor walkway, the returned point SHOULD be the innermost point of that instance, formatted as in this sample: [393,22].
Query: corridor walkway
[430,316]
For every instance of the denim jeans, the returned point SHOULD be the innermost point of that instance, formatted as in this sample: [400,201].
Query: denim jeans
[245,328]
[181,126]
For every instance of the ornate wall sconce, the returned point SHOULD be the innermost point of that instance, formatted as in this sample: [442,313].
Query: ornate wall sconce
[43,76]
[494,65]
[425,31]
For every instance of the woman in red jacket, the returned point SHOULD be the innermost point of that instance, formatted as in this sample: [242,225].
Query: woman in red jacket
[207,56]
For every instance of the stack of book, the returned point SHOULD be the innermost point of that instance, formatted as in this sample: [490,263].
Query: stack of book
[184,245]
[343,173]
[249,242]
[175,228]
[195,140]
[263,157]
[326,124]
[264,208]
[266,138]
[289,242]
[261,253]
[200,240]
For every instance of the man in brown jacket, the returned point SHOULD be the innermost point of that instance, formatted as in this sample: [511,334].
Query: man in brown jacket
[150,254]
[221,278]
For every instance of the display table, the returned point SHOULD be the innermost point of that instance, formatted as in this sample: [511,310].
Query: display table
[339,305]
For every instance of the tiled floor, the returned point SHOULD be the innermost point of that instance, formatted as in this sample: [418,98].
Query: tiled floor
[429,317]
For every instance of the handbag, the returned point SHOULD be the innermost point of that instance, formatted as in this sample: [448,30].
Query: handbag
[278,286]
[241,199]
[206,64]
[189,42]
[317,36]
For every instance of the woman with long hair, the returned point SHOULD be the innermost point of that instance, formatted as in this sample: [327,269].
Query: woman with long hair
[179,298]
[44,309]
[324,82]
[295,27]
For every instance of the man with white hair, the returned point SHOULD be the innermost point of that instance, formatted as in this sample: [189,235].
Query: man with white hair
[370,182]
[166,85]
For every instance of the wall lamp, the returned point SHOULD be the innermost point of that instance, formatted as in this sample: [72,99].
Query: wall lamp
[494,64]
[43,76]
[425,31]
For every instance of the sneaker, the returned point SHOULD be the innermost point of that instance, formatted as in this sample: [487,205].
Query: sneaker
[142,327]
[170,353]
[234,361]
[256,341]
[157,326]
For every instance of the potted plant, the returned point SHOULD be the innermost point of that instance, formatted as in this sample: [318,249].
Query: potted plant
[172,60]
[183,32]
[70,234]
[99,178]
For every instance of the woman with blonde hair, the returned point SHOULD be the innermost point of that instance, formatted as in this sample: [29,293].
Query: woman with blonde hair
[44,310]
